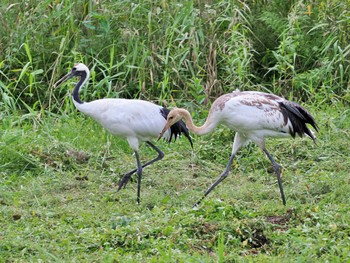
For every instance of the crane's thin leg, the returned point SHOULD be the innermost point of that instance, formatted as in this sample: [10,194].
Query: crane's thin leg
[218,180]
[139,173]
[125,179]
[238,142]
[277,169]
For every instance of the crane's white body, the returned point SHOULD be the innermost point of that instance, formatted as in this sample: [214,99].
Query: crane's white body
[251,114]
[134,120]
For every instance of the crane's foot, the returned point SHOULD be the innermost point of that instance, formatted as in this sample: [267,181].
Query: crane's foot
[124,181]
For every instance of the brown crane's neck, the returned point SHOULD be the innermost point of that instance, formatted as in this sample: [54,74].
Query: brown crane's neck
[207,127]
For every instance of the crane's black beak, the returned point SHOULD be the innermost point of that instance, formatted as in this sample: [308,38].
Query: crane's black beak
[63,79]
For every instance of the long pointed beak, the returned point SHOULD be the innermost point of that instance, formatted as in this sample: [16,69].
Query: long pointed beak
[63,79]
[166,127]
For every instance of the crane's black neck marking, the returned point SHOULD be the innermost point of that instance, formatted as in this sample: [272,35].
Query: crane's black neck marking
[77,88]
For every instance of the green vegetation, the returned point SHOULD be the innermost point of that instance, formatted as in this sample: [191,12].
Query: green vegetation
[59,169]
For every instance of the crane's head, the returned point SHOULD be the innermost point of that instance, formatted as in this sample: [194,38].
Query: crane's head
[174,116]
[79,70]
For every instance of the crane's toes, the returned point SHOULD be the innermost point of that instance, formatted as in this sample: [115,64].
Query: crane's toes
[124,181]
[121,184]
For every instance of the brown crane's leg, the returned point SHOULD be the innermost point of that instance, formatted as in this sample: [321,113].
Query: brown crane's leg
[218,180]
[238,142]
[277,169]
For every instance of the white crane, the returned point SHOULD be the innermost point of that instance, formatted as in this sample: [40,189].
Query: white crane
[134,120]
[254,116]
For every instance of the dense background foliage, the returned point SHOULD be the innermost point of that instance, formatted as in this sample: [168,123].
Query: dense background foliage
[192,50]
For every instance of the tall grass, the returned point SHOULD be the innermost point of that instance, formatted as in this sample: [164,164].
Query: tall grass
[309,55]
[190,51]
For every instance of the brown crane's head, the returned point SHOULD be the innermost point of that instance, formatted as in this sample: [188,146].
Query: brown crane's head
[174,116]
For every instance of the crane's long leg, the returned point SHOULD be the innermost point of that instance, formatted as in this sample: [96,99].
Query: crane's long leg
[238,142]
[125,179]
[218,180]
[139,173]
[277,169]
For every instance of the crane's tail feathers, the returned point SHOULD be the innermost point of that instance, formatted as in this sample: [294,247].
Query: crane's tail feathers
[313,137]
[299,117]
[177,129]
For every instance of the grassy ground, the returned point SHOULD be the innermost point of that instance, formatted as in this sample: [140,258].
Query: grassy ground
[58,199]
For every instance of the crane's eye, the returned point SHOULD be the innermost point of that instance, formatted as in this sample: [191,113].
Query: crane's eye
[74,69]
[171,117]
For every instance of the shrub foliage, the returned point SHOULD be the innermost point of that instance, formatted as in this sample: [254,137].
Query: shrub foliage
[160,50]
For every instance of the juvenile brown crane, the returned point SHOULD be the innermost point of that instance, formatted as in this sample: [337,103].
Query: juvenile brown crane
[254,116]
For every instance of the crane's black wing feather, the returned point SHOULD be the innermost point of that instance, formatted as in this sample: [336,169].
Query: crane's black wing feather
[299,117]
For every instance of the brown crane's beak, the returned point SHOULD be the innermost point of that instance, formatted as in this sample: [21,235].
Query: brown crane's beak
[63,79]
[166,127]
